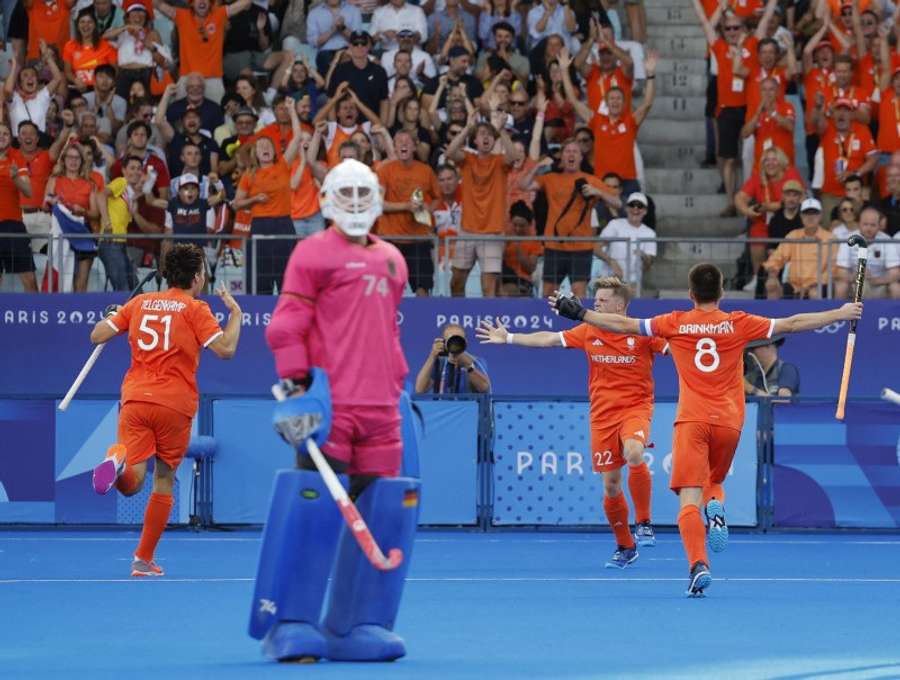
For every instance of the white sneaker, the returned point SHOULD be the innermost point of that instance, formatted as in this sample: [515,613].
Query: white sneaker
[751,286]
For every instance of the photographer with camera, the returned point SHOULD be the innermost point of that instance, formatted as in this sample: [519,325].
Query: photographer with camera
[449,369]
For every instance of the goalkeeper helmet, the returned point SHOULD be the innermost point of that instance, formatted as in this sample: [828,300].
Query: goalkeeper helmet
[351,197]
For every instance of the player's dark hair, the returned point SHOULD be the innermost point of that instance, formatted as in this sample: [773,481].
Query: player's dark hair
[182,263]
[705,281]
[619,288]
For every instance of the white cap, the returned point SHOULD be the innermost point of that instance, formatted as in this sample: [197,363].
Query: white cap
[638,197]
[188,179]
[811,204]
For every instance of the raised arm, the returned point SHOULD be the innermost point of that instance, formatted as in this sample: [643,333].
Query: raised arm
[237,7]
[159,119]
[226,344]
[583,110]
[372,117]
[764,20]
[650,64]
[537,132]
[291,152]
[709,29]
[454,150]
[165,8]
[10,85]
[810,321]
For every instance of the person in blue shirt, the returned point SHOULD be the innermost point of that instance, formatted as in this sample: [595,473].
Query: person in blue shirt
[450,369]
[765,374]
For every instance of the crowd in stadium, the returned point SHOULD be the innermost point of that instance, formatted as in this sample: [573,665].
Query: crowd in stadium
[494,119]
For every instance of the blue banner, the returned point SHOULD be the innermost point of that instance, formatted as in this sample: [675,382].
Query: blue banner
[829,473]
[46,336]
[543,473]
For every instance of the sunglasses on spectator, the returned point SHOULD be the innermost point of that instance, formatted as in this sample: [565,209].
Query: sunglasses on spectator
[733,28]
[637,206]
[583,140]
[360,43]
[518,102]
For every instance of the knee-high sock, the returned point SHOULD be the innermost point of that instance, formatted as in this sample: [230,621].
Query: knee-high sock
[156,516]
[640,484]
[127,482]
[693,534]
[616,509]
[713,491]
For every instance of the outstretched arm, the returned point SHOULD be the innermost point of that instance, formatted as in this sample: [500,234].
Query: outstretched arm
[569,307]
[487,333]
[810,321]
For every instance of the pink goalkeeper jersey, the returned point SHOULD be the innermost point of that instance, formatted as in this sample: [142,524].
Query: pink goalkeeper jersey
[338,311]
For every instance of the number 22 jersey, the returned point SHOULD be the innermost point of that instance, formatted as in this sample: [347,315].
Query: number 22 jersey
[708,350]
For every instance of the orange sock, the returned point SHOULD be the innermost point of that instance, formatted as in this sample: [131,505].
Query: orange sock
[693,534]
[713,491]
[156,516]
[127,483]
[639,484]
[616,509]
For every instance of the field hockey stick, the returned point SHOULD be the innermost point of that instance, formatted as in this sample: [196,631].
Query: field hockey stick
[889,395]
[89,364]
[354,520]
[862,256]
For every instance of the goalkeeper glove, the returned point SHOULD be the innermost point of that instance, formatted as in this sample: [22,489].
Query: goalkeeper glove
[569,307]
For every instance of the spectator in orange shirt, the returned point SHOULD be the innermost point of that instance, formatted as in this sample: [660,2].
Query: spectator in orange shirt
[85,52]
[15,253]
[809,262]
[889,110]
[520,258]
[266,190]
[48,22]
[201,39]
[305,209]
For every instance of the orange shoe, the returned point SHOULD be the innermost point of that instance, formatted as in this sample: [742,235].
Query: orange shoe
[143,568]
[106,474]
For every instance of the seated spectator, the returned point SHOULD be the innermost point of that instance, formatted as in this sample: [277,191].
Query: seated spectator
[395,16]
[449,369]
[882,267]
[503,37]
[211,115]
[548,18]
[629,259]
[765,374]
[85,52]
[890,203]
[520,258]
[28,100]
[420,66]
[846,148]
[809,262]
[498,12]
[442,22]
[844,220]
[760,197]
[328,28]
[363,76]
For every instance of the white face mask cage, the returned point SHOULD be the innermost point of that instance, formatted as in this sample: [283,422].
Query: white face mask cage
[351,197]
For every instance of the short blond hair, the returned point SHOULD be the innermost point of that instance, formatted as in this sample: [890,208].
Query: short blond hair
[619,288]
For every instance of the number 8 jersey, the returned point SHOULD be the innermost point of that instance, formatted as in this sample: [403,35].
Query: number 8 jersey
[708,350]
[166,332]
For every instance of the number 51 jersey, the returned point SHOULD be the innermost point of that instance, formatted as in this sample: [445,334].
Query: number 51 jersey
[708,350]
[166,332]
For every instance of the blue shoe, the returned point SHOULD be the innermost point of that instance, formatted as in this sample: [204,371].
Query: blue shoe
[718,528]
[622,557]
[644,536]
[295,641]
[701,579]
[366,642]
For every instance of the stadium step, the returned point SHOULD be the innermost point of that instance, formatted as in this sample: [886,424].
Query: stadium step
[682,181]
[682,15]
[675,47]
[671,275]
[690,66]
[683,156]
[682,85]
[667,131]
[697,251]
[677,29]
[690,108]
[699,226]
[689,205]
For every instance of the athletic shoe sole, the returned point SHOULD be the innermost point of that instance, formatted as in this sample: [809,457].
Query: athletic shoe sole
[616,565]
[718,528]
[140,571]
[105,476]
[645,541]
[700,582]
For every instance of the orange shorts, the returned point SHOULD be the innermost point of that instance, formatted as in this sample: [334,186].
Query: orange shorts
[149,430]
[701,454]
[606,442]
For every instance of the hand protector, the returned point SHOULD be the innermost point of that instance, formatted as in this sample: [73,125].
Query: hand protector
[306,415]
[569,307]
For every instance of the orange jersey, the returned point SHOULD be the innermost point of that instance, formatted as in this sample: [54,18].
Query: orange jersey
[731,88]
[399,182]
[889,122]
[599,83]
[85,60]
[305,198]
[47,21]
[568,212]
[816,80]
[201,40]
[483,182]
[166,332]
[621,370]
[753,82]
[614,145]
[10,207]
[708,350]
[275,182]
[39,168]
[844,153]
[869,73]
[769,133]
[280,136]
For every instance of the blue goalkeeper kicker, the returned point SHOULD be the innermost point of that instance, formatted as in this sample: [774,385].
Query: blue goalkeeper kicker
[363,601]
[297,554]
[412,430]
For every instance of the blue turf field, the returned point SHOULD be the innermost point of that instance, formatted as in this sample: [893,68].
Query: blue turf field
[508,605]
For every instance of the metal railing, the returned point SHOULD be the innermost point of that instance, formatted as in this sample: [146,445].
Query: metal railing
[441,253]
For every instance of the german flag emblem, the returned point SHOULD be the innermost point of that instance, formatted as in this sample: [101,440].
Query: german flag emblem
[410,498]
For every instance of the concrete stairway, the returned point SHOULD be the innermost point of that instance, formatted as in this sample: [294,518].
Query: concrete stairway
[673,142]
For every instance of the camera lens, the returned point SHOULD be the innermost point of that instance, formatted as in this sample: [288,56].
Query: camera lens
[456,344]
